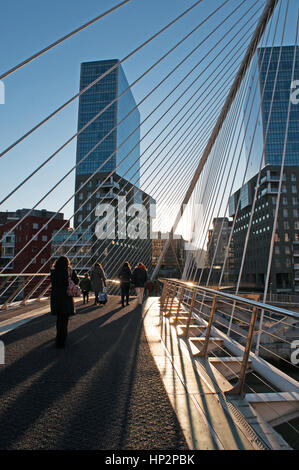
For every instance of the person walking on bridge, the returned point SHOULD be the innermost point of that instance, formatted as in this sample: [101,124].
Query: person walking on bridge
[98,281]
[85,286]
[62,304]
[124,276]
[139,278]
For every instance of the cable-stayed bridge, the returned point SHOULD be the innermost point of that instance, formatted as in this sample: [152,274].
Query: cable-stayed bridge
[201,145]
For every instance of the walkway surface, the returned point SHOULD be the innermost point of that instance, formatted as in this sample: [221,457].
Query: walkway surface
[103,391]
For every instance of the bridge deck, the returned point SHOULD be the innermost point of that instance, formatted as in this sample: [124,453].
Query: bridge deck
[124,381]
[103,391]
[210,420]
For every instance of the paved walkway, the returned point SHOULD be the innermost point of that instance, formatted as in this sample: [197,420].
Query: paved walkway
[103,391]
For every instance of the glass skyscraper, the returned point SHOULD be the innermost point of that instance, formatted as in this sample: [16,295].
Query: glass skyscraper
[263,72]
[119,144]
[266,150]
[110,144]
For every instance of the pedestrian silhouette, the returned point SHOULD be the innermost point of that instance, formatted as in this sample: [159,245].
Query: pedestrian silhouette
[139,279]
[62,304]
[124,276]
[85,286]
[98,281]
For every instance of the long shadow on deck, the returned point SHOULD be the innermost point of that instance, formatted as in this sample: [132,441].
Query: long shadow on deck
[102,392]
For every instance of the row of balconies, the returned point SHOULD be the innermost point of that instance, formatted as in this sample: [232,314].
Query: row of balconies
[269,190]
[269,178]
[76,253]
[110,195]
[110,184]
[70,243]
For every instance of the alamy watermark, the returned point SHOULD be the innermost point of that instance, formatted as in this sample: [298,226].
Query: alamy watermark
[2,93]
[295,93]
[295,354]
[136,221]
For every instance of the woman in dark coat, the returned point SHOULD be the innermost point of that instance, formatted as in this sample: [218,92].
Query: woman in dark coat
[139,278]
[98,281]
[124,276]
[62,305]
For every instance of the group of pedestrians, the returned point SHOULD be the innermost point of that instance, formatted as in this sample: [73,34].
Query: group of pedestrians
[136,278]
[64,281]
[96,282]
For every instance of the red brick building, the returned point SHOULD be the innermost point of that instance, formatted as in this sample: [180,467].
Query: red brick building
[33,236]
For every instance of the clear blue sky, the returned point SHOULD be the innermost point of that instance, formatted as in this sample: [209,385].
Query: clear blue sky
[40,87]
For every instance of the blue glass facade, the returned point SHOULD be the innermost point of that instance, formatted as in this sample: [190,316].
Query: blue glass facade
[267,59]
[90,104]
[129,147]
[278,119]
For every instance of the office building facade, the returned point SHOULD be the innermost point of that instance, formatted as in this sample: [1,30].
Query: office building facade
[269,94]
[285,260]
[274,135]
[110,240]
[108,153]
[111,141]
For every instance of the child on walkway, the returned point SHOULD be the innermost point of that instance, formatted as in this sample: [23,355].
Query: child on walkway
[85,286]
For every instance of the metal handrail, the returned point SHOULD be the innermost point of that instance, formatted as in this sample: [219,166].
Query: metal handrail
[9,278]
[24,274]
[174,288]
[236,298]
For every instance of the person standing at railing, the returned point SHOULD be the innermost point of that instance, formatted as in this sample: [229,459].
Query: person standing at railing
[98,281]
[62,304]
[139,279]
[85,286]
[124,276]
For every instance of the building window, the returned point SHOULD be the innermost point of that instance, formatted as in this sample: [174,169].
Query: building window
[293,177]
[286,225]
[296,225]
[277,250]
[285,212]
[287,250]
[35,226]
[44,238]
[284,201]
[295,212]
[286,237]
[294,189]
[294,201]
